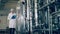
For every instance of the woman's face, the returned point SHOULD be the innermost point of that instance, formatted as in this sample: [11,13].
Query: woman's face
[12,12]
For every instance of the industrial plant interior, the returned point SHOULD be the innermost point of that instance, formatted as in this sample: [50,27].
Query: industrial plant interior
[36,16]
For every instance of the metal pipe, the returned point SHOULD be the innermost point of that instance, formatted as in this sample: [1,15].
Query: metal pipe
[47,4]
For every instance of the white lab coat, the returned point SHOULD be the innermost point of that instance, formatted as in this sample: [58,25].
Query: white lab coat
[12,22]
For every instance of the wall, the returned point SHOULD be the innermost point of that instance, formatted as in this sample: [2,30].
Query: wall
[3,19]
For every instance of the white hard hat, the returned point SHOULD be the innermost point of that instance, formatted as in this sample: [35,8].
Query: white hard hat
[11,9]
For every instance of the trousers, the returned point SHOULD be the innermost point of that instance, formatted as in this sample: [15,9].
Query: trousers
[11,30]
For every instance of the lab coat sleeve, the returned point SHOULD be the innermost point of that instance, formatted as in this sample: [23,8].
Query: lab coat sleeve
[9,17]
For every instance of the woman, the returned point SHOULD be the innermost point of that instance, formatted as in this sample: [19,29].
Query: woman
[12,21]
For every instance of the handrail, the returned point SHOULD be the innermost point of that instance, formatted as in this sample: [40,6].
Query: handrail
[48,4]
